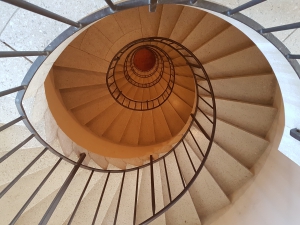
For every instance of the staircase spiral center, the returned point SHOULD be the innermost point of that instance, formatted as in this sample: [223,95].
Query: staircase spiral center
[144,59]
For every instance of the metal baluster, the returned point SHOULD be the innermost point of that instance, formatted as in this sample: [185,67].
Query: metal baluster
[61,191]
[136,195]
[152,185]
[204,89]
[187,152]
[200,127]
[36,9]
[34,193]
[119,200]
[100,200]
[196,143]
[152,5]
[12,183]
[206,102]
[7,54]
[80,198]
[179,168]
[111,5]
[16,148]
[11,123]
[204,114]
[291,56]
[243,7]
[280,28]
[167,178]
[12,90]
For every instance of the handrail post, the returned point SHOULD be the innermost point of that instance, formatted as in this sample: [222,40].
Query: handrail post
[243,7]
[152,185]
[291,56]
[8,154]
[279,28]
[12,90]
[36,9]
[7,54]
[152,5]
[15,180]
[9,124]
[61,191]
[80,198]
[200,127]
[111,5]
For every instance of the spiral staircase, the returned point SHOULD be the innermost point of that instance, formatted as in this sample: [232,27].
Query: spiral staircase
[140,117]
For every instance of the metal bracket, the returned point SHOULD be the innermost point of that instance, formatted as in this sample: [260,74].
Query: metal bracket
[152,5]
[295,133]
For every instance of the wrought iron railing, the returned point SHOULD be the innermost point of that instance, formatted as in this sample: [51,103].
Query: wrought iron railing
[20,90]
[168,70]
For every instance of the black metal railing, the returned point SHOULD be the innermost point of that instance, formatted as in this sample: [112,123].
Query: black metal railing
[193,62]
[20,90]
[162,72]
[155,73]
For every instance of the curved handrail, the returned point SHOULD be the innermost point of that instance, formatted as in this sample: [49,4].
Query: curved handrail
[131,4]
[130,103]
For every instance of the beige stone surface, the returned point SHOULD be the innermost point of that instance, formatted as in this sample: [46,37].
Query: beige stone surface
[231,96]
[20,159]
[170,14]
[70,78]
[181,107]
[88,205]
[127,202]
[75,97]
[65,142]
[111,190]
[226,170]
[144,206]
[51,127]
[87,112]
[132,131]
[223,44]
[14,199]
[110,28]
[74,58]
[184,210]
[187,21]
[95,43]
[39,106]
[40,203]
[206,193]
[127,38]
[129,20]
[186,82]
[205,30]
[161,128]
[79,150]
[116,130]
[248,61]
[243,146]
[254,118]
[100,160]
[147,135]
[14,135]
[185,94]
[103,121]
[76,43]
[170,115]
[119,164]
[150,21]
[251,89]
[70,198]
